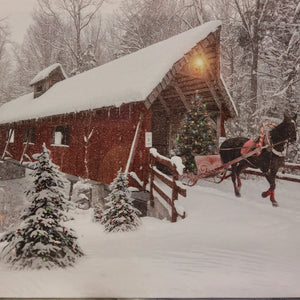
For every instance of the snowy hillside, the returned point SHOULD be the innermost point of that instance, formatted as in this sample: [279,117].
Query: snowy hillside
[226,247]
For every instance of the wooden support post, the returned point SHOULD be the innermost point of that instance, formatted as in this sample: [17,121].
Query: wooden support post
[10,133]
[181,95]
[214,94]
[152,163]
[24,151]
[164,104]
[174,194]
[133,145]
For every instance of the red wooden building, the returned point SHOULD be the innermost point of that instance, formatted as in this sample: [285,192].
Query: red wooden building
[89,121]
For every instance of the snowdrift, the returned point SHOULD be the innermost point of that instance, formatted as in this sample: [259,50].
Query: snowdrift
[226,247]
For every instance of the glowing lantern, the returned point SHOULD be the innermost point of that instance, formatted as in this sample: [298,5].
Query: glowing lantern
[199,62]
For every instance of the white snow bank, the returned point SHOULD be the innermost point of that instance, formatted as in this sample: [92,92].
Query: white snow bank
[175,160]
[226,247]
[130,78]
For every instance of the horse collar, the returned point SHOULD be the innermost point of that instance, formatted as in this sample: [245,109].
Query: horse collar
[280,154]
[270,146]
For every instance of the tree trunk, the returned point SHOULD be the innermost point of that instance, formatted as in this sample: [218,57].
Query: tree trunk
[255,54]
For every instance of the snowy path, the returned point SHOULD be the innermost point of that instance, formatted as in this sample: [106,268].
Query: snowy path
[226,247]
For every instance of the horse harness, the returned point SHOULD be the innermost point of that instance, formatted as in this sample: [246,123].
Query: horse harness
[270,146]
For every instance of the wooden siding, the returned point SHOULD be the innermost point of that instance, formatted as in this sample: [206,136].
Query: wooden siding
[108,148]
[114,128]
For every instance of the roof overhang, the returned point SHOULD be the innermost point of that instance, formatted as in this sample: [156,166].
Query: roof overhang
[186,78]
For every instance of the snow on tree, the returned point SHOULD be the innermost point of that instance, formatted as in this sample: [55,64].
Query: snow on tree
[139,24]
[281,54]
[197,136]
[48,179]
[41,240]
[87,61]
[73,17]
[5,63]
[120,214]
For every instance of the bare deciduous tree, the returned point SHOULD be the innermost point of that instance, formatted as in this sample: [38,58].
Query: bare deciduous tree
[71,18]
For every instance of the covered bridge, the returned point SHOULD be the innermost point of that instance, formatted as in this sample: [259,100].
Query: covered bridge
[89,121]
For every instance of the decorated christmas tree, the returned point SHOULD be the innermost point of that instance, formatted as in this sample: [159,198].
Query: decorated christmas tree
[41,240]
[197,135]
[120,214]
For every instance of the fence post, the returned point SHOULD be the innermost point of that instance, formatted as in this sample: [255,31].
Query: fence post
[152,163]
[174,193]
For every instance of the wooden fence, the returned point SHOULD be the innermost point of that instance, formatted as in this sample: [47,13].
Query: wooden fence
[171,181]
[280,175]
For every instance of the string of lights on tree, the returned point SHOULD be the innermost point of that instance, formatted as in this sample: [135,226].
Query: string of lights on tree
[120,214]
[197,135]
[41,240]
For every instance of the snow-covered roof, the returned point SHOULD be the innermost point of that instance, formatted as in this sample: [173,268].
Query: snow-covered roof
[130,78]
[46,72]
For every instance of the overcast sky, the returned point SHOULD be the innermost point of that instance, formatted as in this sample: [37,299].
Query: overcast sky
[18,13]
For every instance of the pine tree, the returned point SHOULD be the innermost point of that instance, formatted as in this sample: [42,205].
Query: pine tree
[197,136]
[41,240]
[120,214]
[87,61]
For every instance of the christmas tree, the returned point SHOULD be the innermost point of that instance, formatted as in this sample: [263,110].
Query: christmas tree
[41,240]
[120,214]
[197,135]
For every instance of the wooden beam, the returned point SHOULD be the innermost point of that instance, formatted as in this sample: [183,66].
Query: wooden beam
[181,95]
[214,94]
[164,104]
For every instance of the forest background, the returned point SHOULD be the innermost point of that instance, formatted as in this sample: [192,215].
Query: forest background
[260,46]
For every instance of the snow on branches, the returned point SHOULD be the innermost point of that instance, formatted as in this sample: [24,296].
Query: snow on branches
[41,240]
[120,214]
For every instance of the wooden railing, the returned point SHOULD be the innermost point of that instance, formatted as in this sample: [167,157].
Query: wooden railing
[280,175]
[172,181]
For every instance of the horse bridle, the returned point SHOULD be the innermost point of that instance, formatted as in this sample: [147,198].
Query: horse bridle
[270,146]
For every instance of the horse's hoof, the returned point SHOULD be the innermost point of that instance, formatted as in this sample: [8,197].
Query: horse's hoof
[275,203]
[264,194]
[238,194]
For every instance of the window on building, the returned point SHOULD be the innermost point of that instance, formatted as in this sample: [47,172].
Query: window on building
[10,136]
[29,135]
[61,135]
[39,88]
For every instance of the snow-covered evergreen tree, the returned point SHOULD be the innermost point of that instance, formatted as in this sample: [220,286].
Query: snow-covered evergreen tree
[49,180]
[120,214]
[41,240]
[87,61]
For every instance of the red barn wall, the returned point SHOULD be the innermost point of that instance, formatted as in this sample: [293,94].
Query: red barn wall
[108,148]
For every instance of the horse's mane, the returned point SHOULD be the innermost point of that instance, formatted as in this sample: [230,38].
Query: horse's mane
[279,135]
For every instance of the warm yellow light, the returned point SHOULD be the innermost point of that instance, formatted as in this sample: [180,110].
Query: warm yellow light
[199,62]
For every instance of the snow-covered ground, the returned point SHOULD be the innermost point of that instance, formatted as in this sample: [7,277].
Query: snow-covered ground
[226,247]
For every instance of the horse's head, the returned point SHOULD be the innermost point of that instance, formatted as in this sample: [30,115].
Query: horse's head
[290,126]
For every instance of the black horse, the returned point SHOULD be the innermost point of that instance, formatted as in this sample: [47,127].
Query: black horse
[270,159]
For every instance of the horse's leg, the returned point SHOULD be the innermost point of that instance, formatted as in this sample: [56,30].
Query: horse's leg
[239,169]
[233,178]
[271,191]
